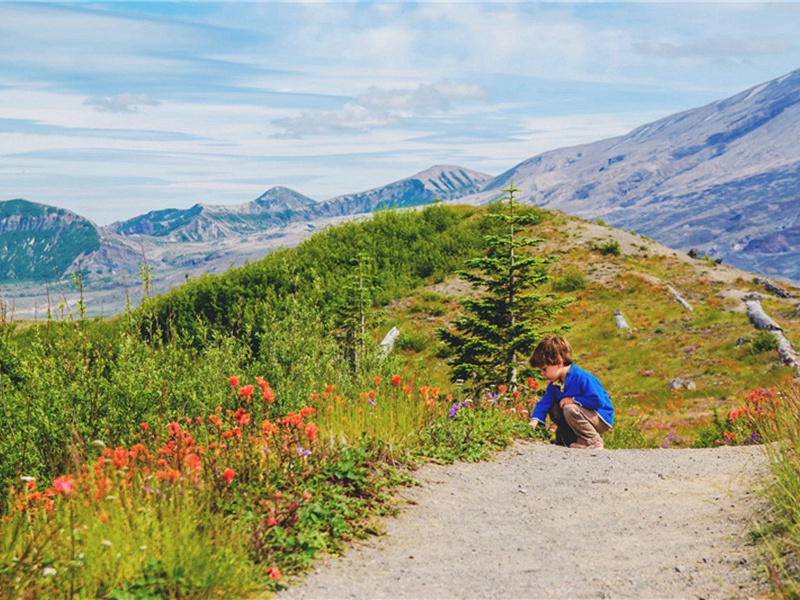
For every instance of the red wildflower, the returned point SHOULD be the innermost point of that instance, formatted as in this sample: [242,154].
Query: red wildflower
[272,521]
[268,395]
[376,381]
[144,426]
[268,428]
[174,429]
[64,485]
[396,380]
[529,383]
[311,432]
[274,573]
[329,388]
[502,389]
[193,462]
[234,381]
[247,391]
[228,474]
[242,417]
[306,496]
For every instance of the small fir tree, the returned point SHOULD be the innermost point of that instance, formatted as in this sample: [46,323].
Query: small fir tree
[501,326]
[355,313]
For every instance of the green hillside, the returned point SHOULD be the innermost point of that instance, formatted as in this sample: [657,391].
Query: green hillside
[251,418]
[38,242]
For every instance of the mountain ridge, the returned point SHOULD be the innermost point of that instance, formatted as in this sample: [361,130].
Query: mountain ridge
[721,179]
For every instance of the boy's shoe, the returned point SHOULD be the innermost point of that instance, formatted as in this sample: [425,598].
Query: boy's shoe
[593,446]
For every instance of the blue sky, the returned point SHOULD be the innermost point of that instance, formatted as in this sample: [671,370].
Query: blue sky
[112,109]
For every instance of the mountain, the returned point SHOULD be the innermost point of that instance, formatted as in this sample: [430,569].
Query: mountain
[440,182]
[275,208]
[723,178]
[39,242]
[281,206]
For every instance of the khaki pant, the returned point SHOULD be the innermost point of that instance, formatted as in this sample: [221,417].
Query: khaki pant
[574,423]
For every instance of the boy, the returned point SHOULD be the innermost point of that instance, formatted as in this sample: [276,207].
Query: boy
[574,398]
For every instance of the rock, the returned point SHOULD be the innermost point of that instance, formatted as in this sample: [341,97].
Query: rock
[682,383]
[773,287]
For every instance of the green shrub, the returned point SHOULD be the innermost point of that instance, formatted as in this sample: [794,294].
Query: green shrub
[570,281]
[413,341]
[611,247]
[764,342]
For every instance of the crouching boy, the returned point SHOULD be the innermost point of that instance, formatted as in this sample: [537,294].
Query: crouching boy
[574,399]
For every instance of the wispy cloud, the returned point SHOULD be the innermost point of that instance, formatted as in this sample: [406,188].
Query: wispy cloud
[724,48]
[124,103]
[378,108]
[216,101]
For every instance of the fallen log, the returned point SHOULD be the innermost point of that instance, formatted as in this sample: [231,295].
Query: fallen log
[756,314]
[760,319]
[679,298]
[622,324]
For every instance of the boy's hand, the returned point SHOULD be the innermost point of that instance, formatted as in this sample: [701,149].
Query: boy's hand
[565,401]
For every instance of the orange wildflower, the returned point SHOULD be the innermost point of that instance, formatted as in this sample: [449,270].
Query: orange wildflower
[228,474]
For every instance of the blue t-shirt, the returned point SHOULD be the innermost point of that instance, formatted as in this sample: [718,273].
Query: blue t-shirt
[586,390]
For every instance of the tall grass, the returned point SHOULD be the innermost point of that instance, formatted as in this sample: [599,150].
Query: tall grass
[782,435]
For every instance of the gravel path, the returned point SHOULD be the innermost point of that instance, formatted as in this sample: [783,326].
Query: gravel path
[542,521]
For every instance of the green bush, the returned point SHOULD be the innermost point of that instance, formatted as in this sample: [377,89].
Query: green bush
[570,281]
[412,341]
[764,342]
[611,247]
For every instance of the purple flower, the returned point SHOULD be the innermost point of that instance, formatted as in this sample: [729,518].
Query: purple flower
[303,452]
[453,410]
[371,401]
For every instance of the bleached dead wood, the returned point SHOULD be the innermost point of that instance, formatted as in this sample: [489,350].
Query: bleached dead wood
[756,314]
[387,344]
[622,324]
[760,319]
[679,298]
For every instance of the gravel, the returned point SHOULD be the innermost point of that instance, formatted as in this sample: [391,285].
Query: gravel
[542,521]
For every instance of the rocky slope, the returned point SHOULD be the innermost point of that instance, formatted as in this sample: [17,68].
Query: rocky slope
[723,178]
[38,241]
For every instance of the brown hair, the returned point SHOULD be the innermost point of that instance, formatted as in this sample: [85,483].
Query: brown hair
[550,351]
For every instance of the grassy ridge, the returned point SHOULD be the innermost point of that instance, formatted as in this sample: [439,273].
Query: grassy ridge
[288,459]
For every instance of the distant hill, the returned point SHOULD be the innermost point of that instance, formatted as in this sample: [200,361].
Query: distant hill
[724,178]
[281,206]
[39,242]
[275,208]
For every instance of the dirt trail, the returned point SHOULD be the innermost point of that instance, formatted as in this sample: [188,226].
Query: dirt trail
[542,521]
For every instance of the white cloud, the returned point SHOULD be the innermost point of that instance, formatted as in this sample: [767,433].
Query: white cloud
[124,103]
[379,107]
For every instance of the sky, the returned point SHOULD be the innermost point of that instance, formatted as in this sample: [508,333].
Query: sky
[113,109]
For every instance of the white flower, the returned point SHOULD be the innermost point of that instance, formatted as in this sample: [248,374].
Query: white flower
[48,572]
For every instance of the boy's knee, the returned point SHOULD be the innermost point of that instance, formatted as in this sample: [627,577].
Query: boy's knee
[572,411]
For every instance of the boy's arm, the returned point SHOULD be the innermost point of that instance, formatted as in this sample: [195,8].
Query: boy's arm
[542,407]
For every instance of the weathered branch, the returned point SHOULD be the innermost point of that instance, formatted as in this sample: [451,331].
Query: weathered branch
[761,320]
[756,314]
[620,320]
[678,297]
